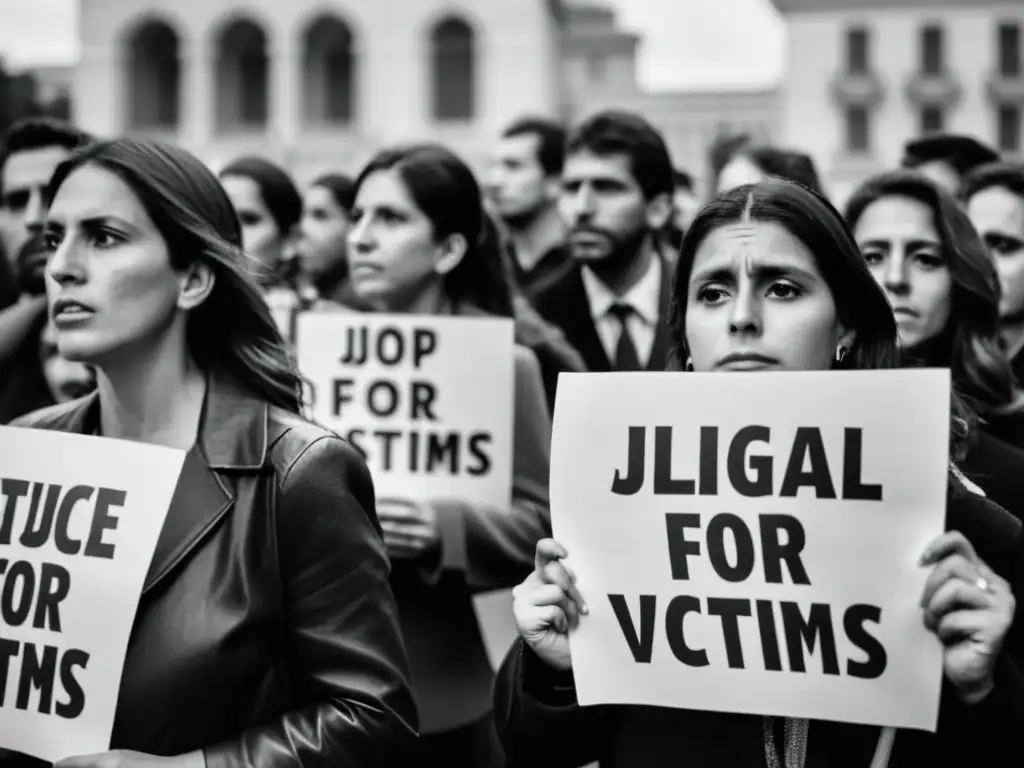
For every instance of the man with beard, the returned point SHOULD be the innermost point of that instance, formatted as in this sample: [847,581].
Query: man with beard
[523,188]
[616,198]
[32,150]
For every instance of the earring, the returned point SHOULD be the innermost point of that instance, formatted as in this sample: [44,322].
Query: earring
[689,363]
[840,352]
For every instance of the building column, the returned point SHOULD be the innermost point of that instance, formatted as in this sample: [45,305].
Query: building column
[285,93]
[197,93]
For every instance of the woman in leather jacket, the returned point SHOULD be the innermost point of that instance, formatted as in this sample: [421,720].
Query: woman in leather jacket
[266,633]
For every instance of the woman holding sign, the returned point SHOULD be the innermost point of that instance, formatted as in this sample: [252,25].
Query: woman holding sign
[940,280]
[267,631]
[420,244]
[769,278]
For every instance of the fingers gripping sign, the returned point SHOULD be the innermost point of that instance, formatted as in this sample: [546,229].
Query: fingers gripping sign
[547,605]
[970,609]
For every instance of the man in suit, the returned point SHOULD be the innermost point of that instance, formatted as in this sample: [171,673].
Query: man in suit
[616,199]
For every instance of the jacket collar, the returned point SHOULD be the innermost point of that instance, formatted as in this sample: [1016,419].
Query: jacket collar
[234,426]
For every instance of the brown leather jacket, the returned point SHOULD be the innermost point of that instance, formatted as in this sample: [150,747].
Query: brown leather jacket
[267,632]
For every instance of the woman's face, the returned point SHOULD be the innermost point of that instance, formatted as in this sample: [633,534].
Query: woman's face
[261,238]
[739,171]
[66,379]
[756,301]
[110,283]
[901,245]
[392,253]
[323,230]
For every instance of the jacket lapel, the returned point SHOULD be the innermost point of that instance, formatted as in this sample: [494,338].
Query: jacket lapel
[662,345]
[232,440]
[200,500]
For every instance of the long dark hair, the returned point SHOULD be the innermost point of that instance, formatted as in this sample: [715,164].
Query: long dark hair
[809,217]
[341,187]
[233,329]
[969,344]
[445,190]
[278,190]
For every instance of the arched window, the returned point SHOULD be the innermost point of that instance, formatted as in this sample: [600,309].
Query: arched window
[153,77]
[242,77]
[328,72]
[453,70]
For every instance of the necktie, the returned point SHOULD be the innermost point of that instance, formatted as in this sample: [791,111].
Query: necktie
[626,356]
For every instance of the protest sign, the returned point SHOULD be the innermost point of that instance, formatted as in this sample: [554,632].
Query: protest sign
[427,400]
[749,542]
[80,521]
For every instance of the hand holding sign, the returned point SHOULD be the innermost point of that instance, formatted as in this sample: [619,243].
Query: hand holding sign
[725,530]
[410,528]
[970,609]
[547,605]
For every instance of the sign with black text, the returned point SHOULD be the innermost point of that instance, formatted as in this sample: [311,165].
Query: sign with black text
[749,543]
[427,400]
[79,521]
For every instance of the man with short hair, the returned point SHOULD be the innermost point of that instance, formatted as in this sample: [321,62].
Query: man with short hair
[31,152]
[523,188]
[616,199]
[994,197]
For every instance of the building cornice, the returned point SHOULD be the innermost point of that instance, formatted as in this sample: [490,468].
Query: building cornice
[789,7]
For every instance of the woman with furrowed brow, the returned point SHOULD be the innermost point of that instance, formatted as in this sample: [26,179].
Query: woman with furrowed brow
[809,304]
[936,273]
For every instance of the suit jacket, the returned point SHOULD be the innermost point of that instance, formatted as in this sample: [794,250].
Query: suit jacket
[564,303]
[267,632]
[548,343]
[541,725]
[482,549]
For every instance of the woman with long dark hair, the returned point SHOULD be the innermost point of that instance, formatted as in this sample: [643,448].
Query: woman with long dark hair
[942,284]
[771,269]
[323,234]
[272,542]
[269,208]
[420,243]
